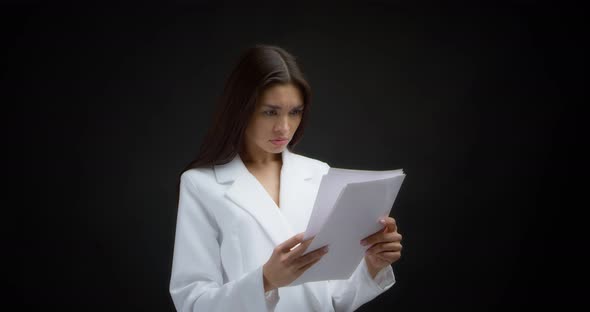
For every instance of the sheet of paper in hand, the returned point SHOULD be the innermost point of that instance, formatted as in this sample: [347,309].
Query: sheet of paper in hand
[347,209]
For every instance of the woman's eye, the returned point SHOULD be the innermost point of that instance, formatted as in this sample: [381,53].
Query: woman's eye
[273,113]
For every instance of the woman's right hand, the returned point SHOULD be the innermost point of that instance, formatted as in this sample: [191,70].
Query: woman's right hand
[286,265]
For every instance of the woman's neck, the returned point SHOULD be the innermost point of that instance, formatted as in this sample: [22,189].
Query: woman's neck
[261,159]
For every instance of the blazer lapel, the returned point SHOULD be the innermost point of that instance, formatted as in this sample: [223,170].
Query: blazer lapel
[298,191]
[296,198]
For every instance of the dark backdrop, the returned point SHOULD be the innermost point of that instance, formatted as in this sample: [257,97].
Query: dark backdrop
[470,101]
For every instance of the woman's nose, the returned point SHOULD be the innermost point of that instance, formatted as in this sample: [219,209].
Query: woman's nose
[282,125]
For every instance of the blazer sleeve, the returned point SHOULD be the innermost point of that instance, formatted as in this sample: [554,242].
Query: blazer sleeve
[196,282]
[360,288]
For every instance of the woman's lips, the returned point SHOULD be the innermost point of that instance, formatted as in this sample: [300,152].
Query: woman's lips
[279,142]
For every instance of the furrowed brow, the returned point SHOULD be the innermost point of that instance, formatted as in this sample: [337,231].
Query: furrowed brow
[278,107]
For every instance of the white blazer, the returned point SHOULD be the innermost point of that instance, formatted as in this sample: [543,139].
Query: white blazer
[227,227]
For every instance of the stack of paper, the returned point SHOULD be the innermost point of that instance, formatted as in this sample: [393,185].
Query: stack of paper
[347,209]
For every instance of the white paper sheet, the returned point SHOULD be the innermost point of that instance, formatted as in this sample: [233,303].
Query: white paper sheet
[347,209]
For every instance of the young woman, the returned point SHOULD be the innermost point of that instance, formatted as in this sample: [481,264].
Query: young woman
[245,197]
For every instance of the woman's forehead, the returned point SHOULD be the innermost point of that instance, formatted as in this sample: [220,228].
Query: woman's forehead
[281,96]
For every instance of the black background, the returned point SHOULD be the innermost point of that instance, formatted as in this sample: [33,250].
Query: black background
[478,105]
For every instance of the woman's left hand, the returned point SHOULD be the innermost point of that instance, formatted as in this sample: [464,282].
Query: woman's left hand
[385,247]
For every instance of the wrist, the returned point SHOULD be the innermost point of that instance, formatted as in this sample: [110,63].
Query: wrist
[373,272]
[267,285]
[371,269]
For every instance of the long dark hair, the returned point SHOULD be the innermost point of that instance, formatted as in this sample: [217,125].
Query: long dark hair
[258,68]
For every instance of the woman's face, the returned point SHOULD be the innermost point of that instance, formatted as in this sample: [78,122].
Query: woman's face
[275,119]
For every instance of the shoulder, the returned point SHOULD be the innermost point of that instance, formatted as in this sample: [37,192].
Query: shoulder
[313,163]
[197,176]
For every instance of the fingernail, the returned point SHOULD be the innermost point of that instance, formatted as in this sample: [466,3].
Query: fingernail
[363,242]
[382,221]
[325,249]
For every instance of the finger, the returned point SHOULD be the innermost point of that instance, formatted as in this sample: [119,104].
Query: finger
[371,239]
[299,250]
[311,256]
[389,256]
[381,247]
[389,224]
[381,237]
[308,265]
[384,247]
[291,242]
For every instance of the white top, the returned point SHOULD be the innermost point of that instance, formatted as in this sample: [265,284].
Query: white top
[227,227]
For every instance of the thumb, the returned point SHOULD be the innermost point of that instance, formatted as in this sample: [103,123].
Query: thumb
[291,242]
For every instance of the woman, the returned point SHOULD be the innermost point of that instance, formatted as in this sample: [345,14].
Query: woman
[246,195]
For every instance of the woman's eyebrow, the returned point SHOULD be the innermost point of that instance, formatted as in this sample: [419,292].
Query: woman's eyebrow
[278,107]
